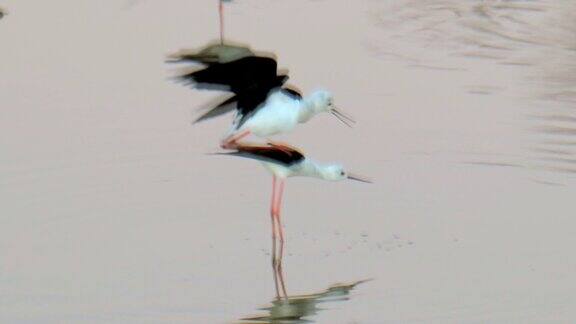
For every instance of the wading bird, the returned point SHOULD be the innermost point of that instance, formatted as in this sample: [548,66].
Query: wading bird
[284,161]
[264,106]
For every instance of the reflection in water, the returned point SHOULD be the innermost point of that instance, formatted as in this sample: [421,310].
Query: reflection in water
[531,42]
[213,53]
[297,309]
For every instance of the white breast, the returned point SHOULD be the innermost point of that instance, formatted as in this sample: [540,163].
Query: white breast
[278,170]
[278,115]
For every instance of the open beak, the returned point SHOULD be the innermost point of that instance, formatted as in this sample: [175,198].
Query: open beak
[347,120]
[352,176]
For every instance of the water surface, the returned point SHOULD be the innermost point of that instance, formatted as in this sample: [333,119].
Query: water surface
[111,212]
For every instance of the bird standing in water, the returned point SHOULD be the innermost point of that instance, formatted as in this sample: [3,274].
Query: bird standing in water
[264,106]
[284,161]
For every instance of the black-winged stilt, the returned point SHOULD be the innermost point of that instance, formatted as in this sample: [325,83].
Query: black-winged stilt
[264,106]
[284,161]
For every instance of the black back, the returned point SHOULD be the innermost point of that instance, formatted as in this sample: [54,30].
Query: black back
[274,153]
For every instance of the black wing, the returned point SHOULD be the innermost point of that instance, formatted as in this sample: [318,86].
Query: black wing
[222,108]
[246,103]
[250,78]
[250,101]
[245,74]
[273,153]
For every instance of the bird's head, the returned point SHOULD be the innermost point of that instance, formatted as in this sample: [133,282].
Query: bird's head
[336,172]
[323,101]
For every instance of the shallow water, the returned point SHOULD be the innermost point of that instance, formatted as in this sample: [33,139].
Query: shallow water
[111,212]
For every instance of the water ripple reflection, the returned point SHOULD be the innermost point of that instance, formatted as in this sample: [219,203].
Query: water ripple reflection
[297,309]
[528,45]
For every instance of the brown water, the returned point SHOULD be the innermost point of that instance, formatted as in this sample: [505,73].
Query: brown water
[111,212]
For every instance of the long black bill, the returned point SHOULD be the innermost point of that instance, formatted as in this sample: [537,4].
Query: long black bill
[352,176]
[345,119]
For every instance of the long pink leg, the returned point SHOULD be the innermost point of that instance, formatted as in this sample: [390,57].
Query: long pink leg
[232,141]
[272,213]
[273,218]
[221,11]
[276,211]
[277,208]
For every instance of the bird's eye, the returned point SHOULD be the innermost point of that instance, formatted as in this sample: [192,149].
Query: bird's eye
[342,173]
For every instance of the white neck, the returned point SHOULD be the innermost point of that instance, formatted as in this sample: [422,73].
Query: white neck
[311,169]
[307,109]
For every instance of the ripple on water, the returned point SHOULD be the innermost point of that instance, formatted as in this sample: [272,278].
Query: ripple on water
[534,38]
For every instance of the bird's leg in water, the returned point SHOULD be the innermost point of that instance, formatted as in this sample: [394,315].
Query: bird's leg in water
[275,272]
[274,257]
[281,277]
[275,268]
[231,141]
[278,274]
[276,212]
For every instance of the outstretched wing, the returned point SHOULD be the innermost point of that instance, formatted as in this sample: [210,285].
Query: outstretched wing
[246,103]
[250,78]
[245,74]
